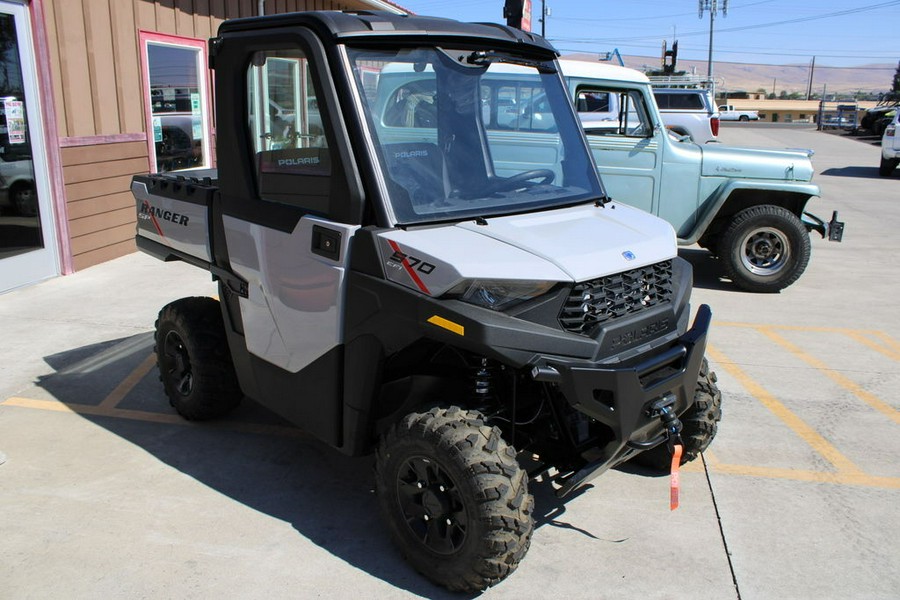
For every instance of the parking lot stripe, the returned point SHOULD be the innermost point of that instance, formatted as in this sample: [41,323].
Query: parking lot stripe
[862,339]
[127,384]
[152,417]
[806,433]
[864,395]
[839,477]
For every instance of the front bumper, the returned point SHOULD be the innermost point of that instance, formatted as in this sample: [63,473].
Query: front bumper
[619,396]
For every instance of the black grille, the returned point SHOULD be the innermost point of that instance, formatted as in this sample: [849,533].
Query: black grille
[599,301]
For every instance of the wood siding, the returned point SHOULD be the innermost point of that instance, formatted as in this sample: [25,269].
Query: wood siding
[95,67]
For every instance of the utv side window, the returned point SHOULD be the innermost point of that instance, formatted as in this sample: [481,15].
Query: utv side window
[613,112]
[517,107]
[286,128]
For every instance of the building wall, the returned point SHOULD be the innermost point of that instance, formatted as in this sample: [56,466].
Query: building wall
[95,68]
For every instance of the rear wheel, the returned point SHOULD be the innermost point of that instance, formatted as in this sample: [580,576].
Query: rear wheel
[744,118]
[765,249]
[887,166]
[701,422]
[454,497]
[194,362]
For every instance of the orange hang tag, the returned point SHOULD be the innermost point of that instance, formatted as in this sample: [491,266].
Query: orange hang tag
[675,480]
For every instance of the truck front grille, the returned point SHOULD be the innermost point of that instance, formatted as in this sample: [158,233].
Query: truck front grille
[593,303]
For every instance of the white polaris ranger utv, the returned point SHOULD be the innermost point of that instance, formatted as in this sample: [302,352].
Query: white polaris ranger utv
[411,275]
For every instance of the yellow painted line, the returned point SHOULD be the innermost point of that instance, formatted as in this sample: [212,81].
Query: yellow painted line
[799,328]
[839,478]
[151,417]
[797,425]
[864,395]
[888,340]
[127,384]
[862,339]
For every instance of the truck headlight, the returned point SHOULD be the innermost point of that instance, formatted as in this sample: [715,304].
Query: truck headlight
[498,294]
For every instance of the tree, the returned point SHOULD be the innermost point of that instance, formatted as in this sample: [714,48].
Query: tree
[896,85]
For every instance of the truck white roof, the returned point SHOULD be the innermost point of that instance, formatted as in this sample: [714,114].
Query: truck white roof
[597,70]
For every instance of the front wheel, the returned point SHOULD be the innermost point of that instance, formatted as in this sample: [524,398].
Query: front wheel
[454,498]
[193,359]
[765,249]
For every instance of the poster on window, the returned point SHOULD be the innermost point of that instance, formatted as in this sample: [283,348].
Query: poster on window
[15,120]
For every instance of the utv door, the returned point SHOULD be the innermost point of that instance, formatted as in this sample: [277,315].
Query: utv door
[288,211]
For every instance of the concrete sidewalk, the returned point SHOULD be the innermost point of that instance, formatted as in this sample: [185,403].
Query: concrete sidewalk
[105,492]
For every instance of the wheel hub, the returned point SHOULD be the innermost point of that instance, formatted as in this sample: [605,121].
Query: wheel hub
[766,251]
[432,505]
[179,371]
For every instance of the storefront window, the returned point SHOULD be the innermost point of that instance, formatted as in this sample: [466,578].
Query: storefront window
[178,122]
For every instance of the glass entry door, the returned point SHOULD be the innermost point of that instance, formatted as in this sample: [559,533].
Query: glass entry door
[27,233]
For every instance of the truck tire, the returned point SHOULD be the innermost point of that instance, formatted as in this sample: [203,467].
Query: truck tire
[765,249]
[454,498]
[887,166]
[193,359]
[743,118]
[701,422]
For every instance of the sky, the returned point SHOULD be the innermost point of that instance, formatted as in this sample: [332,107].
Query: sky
[841,33]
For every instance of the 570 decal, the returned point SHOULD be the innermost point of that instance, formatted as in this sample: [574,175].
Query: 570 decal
[397,258]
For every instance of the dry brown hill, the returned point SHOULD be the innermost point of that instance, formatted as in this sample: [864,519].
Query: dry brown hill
[790,78]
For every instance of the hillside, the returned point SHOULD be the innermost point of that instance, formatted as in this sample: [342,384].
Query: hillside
[790,78]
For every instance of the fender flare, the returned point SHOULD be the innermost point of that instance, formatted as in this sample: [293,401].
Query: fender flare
[721,196]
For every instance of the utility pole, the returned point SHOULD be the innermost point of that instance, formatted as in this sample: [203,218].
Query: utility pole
[812,70]
[713,7]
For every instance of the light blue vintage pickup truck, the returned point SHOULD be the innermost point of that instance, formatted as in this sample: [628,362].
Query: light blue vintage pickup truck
[747,206]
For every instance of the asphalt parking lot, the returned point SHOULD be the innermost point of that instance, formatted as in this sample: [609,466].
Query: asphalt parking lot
[106,492]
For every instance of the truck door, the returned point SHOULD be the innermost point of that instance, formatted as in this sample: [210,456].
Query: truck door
[288,213]
[623,142]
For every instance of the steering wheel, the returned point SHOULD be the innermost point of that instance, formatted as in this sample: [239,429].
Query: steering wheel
[510,183]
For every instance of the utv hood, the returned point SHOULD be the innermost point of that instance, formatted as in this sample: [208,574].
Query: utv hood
[756,163]
[571,244]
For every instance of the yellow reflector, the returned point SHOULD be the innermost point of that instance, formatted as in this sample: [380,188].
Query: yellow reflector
[448,325]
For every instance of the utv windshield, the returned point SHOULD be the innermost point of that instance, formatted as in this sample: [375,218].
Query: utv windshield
[462,134]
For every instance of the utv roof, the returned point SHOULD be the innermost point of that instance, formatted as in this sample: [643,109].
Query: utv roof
[379,27]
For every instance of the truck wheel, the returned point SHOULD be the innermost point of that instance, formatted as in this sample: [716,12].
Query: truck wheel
[765,249]
[887,166]
[701,421]
[193,359]
[454,497]
[744,118]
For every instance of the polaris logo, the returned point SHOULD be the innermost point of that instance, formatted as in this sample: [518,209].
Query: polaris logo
[411,154]
[293,162]
[148,211]
[628,255]
[629,338]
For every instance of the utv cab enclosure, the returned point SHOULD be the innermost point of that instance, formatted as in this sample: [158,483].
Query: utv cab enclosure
[428,271]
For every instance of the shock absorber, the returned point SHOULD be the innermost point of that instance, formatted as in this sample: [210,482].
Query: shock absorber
[483,378]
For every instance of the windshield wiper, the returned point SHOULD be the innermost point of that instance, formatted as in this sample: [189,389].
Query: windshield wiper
[484,58]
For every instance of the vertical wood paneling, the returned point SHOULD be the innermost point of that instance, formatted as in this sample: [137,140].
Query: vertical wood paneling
[165,16]
[74,68]
[128,66]
[145,14]
[101,67]
[216,15]
[201,19]
[232,9]
[55,69]
[184,18]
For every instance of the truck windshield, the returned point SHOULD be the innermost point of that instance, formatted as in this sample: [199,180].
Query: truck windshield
[459,136]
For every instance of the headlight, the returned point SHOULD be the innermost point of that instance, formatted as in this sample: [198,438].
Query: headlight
[498,294]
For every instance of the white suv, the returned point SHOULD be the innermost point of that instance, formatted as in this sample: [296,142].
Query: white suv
[890,146]
[689,112]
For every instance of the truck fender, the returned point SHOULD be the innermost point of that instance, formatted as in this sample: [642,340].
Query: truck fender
[735,196]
